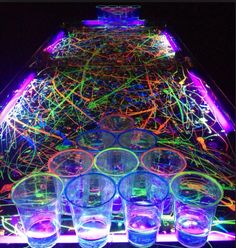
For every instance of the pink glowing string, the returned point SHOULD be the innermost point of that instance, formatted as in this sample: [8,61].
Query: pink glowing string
[120,238]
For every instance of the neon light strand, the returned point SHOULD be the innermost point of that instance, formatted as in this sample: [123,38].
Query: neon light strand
[224,121]
[18,94]
[171,41]
[120,238]
[54,41]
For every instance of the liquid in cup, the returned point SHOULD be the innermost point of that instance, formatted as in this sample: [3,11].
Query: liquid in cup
[196,198]
[91,196]
[37,201]
[143,194]
[68,164]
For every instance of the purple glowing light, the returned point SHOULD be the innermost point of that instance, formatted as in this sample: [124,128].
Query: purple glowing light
[136,22]
[120,238]
[92,23]
[171,42]
[55,41]
[113,23]
[18,94]
[222,119]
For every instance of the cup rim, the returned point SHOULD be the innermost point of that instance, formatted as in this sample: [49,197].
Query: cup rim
[93,131]
[213,180]
[69,150]
[140,130]
[142,172]
[32,176]
[85,175]
[119,149]
[163,149]
[116,114]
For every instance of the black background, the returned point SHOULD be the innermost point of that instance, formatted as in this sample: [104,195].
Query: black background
[207,29]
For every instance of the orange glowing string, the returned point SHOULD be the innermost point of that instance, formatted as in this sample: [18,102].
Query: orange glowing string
[158,131]
[33,128]
[202,143]
[149,84]
[230,204]
[6,188]
[144,111]
[147,120]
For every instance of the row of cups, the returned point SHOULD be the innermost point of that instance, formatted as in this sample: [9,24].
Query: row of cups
[90,182]
[91,193]
[135,139]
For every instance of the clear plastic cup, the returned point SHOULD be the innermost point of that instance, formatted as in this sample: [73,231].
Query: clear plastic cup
[196,198]
[68,164]
[116,162]
[137,140]
[116,123]
[91,196]
[143,194]
[95,140]
[37,199]
[164,162]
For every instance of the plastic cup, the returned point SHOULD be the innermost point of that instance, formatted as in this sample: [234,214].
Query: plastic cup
[68,164]
[90,196]
[95,140]
[116,162]
[196,198]
[137,140]
[116,123]
[167,163]
[143,194]
[37,200]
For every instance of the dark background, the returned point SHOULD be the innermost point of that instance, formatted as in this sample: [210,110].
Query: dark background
[207,29]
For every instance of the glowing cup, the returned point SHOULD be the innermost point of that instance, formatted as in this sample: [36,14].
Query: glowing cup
[116,162]
[68,164]
[138,140]
[196,198]
[95,140]
[164,162]
[91,196]
[116,123]
[36,198]
[143,194]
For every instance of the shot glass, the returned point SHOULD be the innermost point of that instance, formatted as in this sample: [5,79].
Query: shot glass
[137,140]
[196,198]
[116,162]
[68,164]
[116,123]
[90,196]
[166,163]
[37,199]
[143,194]
[95,140]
